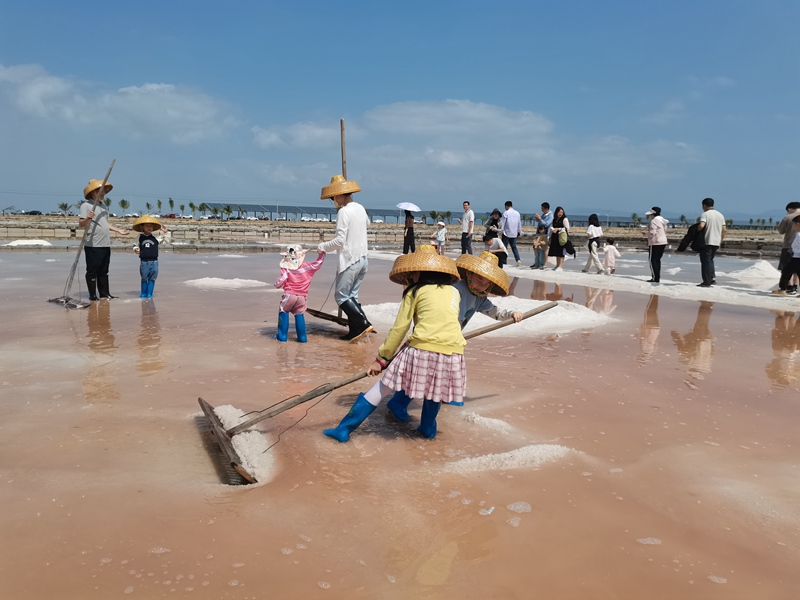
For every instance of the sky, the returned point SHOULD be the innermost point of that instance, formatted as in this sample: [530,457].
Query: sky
[606,107]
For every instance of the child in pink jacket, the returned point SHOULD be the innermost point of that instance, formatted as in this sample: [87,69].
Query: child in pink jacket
[295,279]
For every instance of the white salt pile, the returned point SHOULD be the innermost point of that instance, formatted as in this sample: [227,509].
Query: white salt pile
[216,283]
[251,446]
[495,424]
[231,256]
[29,243]
[527,457]
[760,270]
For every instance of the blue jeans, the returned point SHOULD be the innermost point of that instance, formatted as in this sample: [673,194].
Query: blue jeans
[541,259]
[148,269]
[707,264]
[348,282]
[511,241]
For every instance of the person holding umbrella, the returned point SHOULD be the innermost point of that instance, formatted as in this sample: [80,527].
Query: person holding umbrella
[408,228]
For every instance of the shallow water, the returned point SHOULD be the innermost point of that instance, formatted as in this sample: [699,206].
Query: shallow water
[657,451]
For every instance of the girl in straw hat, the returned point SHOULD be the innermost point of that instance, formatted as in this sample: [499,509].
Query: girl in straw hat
[480,276]
[295,280]
[431,365]
[147,249]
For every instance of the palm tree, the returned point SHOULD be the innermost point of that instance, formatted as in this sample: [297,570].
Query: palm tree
[182,206]
[203,208]
[227,209]
[158,202]
[64,208]
[171,205]
[636,219]
[434,215]
[447,215]
[683,220]
[192,208]
[123,205]
[149,207]
[239,210]
[214,211]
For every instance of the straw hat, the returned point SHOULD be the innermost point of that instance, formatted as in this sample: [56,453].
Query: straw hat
[338,186]
[293,257]
[485,265]
[424,259]
[137,224]
[94,184]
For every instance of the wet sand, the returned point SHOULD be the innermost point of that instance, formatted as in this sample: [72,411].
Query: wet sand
[654,456]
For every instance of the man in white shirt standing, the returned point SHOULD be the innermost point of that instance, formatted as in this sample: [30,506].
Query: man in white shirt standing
[467,227]
[712,224]
[351,244]
[511,226]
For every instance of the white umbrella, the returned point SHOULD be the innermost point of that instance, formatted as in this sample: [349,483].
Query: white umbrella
[409,206]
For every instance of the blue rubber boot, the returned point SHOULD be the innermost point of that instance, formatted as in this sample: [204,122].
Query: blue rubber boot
[398,406]
[150,287]
[300,328]
[283,327]
[144,290]
[360,410]
[428,425]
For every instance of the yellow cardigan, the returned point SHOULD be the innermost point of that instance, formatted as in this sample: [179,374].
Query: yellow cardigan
[434,311]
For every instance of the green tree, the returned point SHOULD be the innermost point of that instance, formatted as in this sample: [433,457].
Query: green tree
[123,205]
[214,211]
[227,210]
[636,219]
[434,215]
[64,208]
[203,208]
[107,201]
[182,207]
[239,210]
[447,216]
[683,220]
[192,208]
[171,205]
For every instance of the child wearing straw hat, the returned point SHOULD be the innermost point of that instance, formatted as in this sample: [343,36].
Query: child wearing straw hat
[147,249]
[431,364]
[295,279]
[479,277]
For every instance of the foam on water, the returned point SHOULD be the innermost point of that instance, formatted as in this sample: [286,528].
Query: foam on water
[527,457]
[495,424]
[216,283]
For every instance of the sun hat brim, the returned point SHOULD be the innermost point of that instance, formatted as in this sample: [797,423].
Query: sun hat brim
[94,184]
[424,259]
[339,186]
[143,220]
[485,265]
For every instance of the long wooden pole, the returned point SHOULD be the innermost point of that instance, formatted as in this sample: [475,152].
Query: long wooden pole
[329,387]
[344,150]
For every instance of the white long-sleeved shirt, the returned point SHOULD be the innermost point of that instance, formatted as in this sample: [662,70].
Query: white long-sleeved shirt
[351,235]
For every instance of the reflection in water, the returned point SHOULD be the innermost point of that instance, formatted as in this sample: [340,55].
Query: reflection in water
[513,285]
[558,294]
[648,332]
[98,381]
[539,290]
[148,340]
[783,370]
[607,305]
[696,348]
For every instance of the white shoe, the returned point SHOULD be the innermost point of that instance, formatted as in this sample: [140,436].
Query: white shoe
[558,269]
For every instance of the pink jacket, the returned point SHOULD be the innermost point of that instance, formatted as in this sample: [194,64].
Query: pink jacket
[657,231]
[297,281]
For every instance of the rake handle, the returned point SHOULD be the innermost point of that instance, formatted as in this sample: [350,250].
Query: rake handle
[329,387]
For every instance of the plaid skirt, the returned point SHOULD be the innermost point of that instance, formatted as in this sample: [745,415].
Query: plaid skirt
[423,374]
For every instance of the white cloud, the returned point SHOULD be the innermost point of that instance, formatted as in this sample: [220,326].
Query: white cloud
[670,112]
[152,110]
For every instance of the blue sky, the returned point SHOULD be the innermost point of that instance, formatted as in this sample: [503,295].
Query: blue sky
[607,107]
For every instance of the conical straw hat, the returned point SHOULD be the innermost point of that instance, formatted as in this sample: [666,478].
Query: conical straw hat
[485,265]
[137,224]
[338,186]
[94,184]
[424,259]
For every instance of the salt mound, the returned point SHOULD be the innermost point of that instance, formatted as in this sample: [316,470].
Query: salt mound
[495,424]
[231,256]
[216,283]
[527,457]
[29,243]
[760,270]
[251,446]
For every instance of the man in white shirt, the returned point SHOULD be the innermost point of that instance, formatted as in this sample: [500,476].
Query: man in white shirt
[467,227]
[712,224]
[351,244]
[511,226]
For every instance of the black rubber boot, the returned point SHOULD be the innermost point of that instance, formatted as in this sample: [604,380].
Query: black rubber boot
[363,314]
[102,287]
[91,286]
[356,321]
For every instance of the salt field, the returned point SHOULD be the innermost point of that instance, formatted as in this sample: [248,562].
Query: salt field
[637,441]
